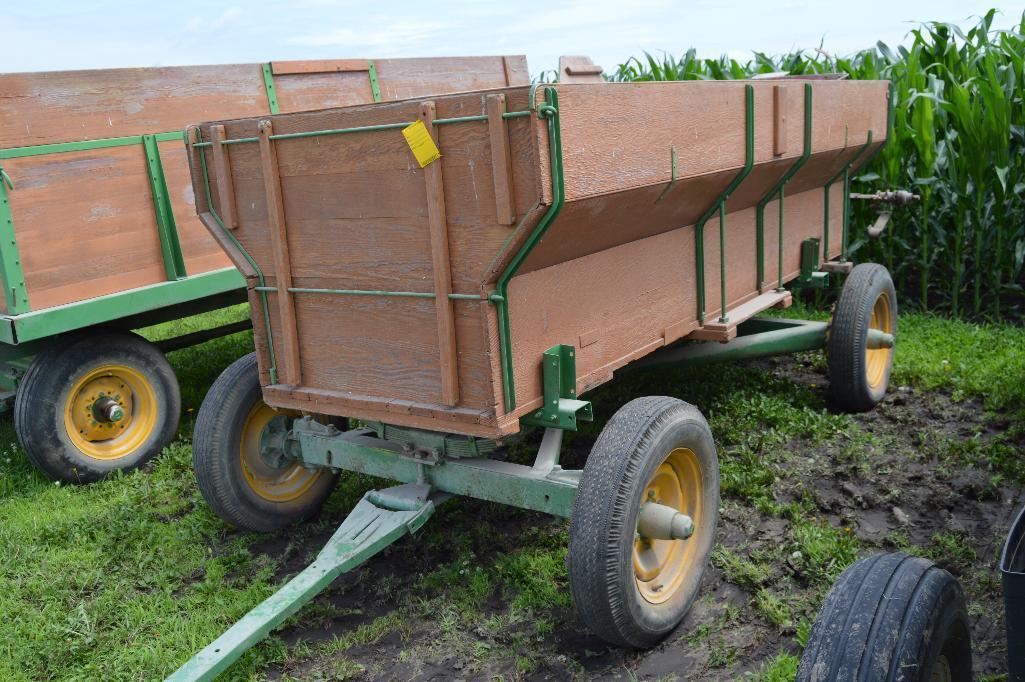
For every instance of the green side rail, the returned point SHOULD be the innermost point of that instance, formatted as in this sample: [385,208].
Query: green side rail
[720,205]
[778,189]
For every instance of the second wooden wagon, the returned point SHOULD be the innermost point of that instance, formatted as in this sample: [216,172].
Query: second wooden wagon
[448,271]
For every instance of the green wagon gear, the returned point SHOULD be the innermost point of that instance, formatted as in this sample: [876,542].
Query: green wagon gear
[644,509]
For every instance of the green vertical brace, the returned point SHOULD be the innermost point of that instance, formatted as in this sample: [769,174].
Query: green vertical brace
[272,371]
[777,189]
[829,183]
[560,409]
[174,263]
[268,85]
[375,87]
[10,258]
[550,111]
[720,205]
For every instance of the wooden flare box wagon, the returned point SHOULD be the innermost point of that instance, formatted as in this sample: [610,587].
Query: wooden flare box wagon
[449,270]
[98,227]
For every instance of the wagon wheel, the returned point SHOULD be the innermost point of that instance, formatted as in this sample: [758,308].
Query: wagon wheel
[99,403]
[644,521]
[891,617]
[242,470]
[860,346]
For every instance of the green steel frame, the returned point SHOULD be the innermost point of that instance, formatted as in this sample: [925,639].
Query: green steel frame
[720,205]
[778,190]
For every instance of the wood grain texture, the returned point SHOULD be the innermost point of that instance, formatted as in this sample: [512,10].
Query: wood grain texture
[614,275]
[83,219]
[222,171]
[291,367]
[437,223]
[501,160]
[285,68]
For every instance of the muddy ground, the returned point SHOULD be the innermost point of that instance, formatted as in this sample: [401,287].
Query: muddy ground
[413,612]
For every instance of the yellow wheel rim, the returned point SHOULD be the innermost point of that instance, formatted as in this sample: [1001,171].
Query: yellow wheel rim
[877,360]
[276,484]
[89,403]
[660,566]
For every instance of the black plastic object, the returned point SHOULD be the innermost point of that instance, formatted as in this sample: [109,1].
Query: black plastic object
[1012,566]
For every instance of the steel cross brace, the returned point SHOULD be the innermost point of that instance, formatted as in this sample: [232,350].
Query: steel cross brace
[377,521]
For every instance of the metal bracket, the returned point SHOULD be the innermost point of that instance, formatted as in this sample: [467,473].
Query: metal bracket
[561,409]
[268,85]
[375,87]
[11,271]
[811,277]
[174,263]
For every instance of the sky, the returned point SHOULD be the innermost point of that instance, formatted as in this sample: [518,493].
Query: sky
[50,35]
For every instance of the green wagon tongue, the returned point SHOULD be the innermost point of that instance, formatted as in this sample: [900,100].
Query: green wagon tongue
[380,518]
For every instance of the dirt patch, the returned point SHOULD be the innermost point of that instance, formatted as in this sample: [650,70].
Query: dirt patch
[903,483]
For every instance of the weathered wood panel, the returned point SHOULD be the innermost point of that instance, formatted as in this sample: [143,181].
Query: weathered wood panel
[85,220]
[615,275]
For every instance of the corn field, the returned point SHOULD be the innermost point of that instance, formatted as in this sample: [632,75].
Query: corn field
[958,140]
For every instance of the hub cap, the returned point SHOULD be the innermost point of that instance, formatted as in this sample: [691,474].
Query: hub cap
[273,478]
[660,566]
[877,360]
[110,412]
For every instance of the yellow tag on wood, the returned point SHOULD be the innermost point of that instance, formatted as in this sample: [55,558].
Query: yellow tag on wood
[421,143]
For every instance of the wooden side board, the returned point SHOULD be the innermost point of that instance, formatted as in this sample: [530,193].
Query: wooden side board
[85,221]
[615,275]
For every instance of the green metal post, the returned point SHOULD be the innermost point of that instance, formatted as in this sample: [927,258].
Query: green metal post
[778,189]
[15,293]
[560,409]
[174,262]
[829,183]
[720,205]
[550,111]
[268,85]
[375,87]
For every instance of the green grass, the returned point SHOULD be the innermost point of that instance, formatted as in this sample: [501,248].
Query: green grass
[127,578]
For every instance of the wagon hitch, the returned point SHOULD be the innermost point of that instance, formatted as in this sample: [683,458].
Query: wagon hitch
[378,520]
[890,197]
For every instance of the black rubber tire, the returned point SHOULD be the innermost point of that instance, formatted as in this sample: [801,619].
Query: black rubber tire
[890,617]
[601,537]
[215,457]
[42,396]
[848,338]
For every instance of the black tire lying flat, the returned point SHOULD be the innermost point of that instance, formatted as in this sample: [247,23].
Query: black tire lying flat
[237,484]
[858,376]
[64,389]
[628,592]
[890,618]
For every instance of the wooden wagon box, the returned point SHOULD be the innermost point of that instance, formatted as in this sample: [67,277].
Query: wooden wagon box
[95,196]
[576,214]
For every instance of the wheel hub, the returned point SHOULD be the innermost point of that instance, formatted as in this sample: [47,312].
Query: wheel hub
[110,412]
[667,516]
[102,408]
[879,344]
[268,466]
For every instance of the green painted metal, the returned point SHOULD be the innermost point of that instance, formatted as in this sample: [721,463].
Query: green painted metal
[268,86]
[778,189]
[367,530]
[811,277]
[39,324]
[793,338]
[272,369]
[548,110]
[720,205]
[375,87]
[170,247]
[516,485]
[11,272]
[560,409]
[877,338]
[843,172]
[358,129]
[84,145]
